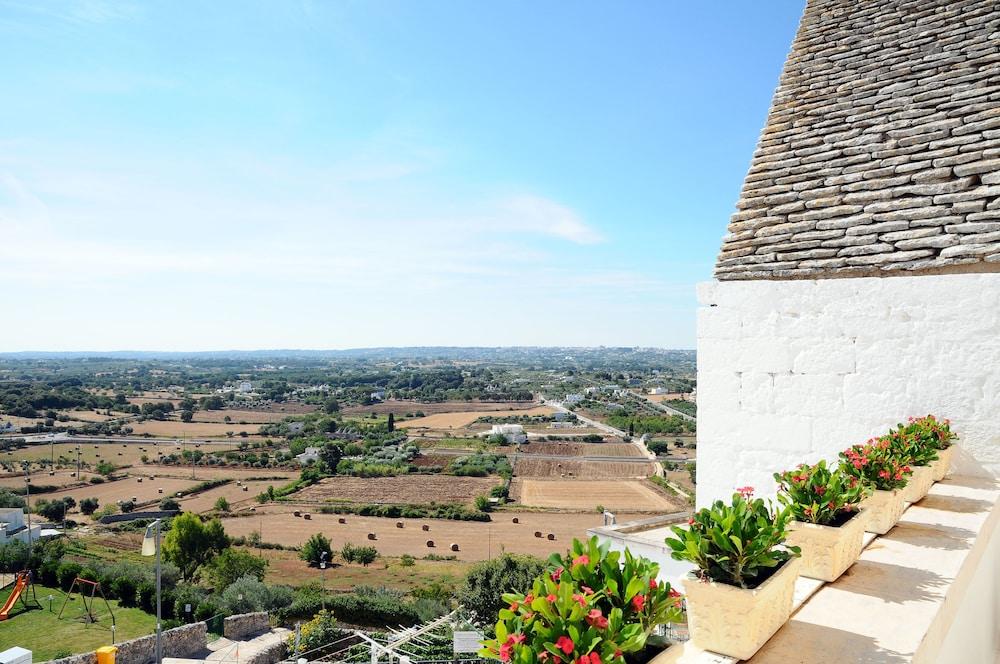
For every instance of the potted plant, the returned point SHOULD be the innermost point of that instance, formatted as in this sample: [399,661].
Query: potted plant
[742,590]
[916,452]
[827,525]
[936,434]
[876,465]
[593,606]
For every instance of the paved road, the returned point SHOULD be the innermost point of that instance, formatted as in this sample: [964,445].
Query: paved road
[586,420]
[671,411]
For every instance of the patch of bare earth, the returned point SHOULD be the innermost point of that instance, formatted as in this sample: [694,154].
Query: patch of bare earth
[413,489]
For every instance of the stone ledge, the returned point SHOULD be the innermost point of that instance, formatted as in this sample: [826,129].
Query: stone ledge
[899,601]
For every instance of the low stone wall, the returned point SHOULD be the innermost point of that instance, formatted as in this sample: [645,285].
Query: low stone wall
[187,641]
[243,625]
[270,655]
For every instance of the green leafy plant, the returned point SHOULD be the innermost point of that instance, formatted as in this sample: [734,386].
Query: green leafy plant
[877,464]
[595,606]
[738,544]
[933,432]
[911,448]
[821,495]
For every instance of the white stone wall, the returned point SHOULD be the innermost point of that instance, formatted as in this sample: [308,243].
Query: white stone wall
[793,371]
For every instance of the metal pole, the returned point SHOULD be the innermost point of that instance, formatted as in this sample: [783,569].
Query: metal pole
[159,630]
[322,566]
[27,505]
[298,638]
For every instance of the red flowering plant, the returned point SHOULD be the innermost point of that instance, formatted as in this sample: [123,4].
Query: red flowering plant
[594,606]
[911,448]
[877,463]
[820,495]
[931,432]
[740,544]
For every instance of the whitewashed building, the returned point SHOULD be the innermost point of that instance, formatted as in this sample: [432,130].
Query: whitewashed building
[13,526]
[514,433]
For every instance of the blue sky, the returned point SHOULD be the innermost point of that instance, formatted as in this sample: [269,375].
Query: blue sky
[237,175]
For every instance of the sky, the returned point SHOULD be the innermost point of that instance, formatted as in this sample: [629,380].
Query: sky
[252,175]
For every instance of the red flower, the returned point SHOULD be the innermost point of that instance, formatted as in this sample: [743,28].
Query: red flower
[551,598]
[592,658]
[581,560]
[505,652]
[596,619]
[587,590]
[579,599]
[565,644]
[529,598]
[543,656]
[745,491]
[514,606]
[691,521]
[556,574]
[820,490]
[638,602]
[652,584]
[674,593]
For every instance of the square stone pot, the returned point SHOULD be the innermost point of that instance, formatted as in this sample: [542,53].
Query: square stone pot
[884,509]
[827,551]
[734,621]
[919,484]
[943,465]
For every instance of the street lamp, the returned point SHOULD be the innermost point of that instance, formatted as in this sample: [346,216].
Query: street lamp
[322,565]
[27,502]
[151,547]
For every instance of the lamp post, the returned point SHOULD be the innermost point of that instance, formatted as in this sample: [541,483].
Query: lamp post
[151,547]
[27,502]
[322,565]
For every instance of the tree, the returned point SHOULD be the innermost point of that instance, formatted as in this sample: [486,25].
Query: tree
[189,543]
[187,415]
[126,506]
[331,406]
[487,581]
[232,564]
[169,504]
[222,504]
[89,505]
[391,424]
[330,454]
[312,551]
[10,499]
[105,468]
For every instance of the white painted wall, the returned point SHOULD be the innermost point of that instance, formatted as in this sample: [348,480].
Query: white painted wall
[793,371]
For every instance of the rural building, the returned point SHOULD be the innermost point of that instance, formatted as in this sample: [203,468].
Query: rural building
[377,395]
[309,456]
[13,527]
[573,398]
[514,433]
[295,427]
[658,390]
[245,387]
[858,285]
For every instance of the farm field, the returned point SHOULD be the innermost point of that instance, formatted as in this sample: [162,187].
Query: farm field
[116,453]
[402,407]
[635,496]
[178,429]
[416,489]
[657,398]
[476,540]
[457,420]
[61,478]
[589,470]
[91,416]
[49,637]
[237,497]
[581,449]
[273,475]
[236,416]
[111,492]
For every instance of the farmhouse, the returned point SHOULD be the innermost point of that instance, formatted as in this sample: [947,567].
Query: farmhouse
[377,395]
[309,456]
[573,398]
[514,433]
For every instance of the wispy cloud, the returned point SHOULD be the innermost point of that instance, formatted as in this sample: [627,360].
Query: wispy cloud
[542,215]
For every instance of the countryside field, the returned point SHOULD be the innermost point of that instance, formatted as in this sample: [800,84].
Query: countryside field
[402,407]
[458,420]
[635,496]
[415,489]
[117,453]
[581,449]
[571,468]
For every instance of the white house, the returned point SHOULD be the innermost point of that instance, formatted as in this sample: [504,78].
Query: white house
[13,527]
[311,454]
[658,390]
[573,398]
[378,395]
[514,433]
[246,387]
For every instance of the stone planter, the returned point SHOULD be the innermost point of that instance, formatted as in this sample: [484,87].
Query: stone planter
[943,465]
[827,551]
[919,484]
[733,621]
[884,509]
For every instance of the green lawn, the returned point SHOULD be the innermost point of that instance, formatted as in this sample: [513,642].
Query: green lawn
[48,637]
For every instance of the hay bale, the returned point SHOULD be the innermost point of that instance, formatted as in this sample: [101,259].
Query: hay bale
[159,491]
[371,536]
[297,513]
[307,516]
[538,533]
[341,520]
[515,520]
[425,528]
[550,536]
[430,544]
[399,524]
[454,547]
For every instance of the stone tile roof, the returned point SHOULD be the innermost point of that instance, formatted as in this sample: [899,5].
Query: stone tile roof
[881,152]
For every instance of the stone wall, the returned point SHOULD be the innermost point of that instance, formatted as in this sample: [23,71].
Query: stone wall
[881,152]
[793,371]
[240,626]
[187,641]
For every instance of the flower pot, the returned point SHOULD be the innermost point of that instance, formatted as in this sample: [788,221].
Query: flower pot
[919,484]
[943,465]
[734,621]
[883,509]
[827,551]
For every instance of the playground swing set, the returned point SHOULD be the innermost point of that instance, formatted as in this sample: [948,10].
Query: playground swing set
[22,583]
[89,614]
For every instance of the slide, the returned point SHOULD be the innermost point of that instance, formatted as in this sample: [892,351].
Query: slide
[19,586]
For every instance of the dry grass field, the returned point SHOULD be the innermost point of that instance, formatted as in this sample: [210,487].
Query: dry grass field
[178,429]
[457,420]
[476,540]
[581,449]
[90,416]
[657,398]
[635,496]
[402,407]
[416,489]
[60,478]
[273,475]
[120,454]
[125,489]
[590,470]
[237,416]
[237,497]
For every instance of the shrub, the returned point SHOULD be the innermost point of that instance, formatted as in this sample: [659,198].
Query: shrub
[911,447]
[406,560]
[169,504]
[365,555]
[232,564]
[320,631]
[89,505]
[483,503]
[67,572]
[222,504]
[486,582]
[934,433]
[312,551]
[124,588]
[736,544]
[372,609]
[248,594]
[816,494]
